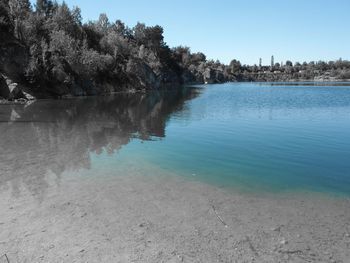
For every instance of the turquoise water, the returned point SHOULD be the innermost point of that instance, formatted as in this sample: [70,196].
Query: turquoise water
[259,137]
[249,136]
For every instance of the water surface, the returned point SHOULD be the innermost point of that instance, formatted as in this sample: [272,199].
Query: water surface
[246,136]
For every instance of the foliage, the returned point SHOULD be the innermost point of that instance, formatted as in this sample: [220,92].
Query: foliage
[320,70]
[5,17]
[66,56]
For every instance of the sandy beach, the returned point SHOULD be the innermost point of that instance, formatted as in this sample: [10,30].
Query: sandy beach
[136,218]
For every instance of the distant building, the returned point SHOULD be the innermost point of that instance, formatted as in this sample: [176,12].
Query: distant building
[260,62]
[272,61]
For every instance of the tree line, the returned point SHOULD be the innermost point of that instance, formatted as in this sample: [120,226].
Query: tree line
[47,48]
[306,71]
[55,52]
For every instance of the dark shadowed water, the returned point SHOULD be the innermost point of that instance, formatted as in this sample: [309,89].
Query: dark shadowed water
[253,137]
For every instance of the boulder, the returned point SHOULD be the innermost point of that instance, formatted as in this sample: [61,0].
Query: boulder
[28,96]
[15,91]
[4,89]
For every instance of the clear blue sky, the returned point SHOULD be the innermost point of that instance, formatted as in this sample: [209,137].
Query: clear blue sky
[299,30]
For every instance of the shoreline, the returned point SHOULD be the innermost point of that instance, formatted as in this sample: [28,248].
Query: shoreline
[23,101]
[166,218]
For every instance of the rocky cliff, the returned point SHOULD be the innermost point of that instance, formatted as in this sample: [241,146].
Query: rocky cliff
[48,52]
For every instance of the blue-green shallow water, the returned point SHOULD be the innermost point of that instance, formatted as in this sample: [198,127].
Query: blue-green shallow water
[248,136]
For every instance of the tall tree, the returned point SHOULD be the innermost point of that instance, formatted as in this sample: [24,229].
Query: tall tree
[19,10]
[44,7]
[103,23]
[5,17]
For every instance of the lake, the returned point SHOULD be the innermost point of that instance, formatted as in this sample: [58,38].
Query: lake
[243,136]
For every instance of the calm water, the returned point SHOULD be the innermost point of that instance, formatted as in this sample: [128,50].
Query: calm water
[253,137]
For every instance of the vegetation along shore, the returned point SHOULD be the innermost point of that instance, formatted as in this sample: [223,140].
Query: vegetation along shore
[47,51]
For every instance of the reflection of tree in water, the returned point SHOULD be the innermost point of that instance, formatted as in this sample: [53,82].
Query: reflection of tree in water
[58,136]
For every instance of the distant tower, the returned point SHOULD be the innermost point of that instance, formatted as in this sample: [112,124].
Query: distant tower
[260,62]
[272,61]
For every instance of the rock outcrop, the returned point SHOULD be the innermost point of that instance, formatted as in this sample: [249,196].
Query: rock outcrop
[213,76]
[12,91]
[13,59]
[140,75]
[13,56]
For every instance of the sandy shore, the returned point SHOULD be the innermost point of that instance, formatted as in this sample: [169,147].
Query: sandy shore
[138,218]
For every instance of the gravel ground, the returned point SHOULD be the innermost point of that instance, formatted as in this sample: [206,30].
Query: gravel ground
[156,218]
